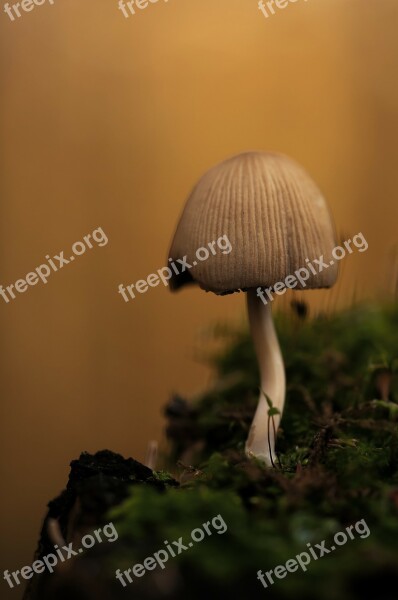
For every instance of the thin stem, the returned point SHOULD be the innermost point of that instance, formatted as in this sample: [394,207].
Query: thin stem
[261,441]
[277,455]
[269,440]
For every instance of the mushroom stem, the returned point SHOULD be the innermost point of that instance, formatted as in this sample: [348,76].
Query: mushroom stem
[261,440]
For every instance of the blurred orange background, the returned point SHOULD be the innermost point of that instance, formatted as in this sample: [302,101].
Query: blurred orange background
[108,122]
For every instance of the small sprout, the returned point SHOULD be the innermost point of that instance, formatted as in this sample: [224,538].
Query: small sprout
[273,411]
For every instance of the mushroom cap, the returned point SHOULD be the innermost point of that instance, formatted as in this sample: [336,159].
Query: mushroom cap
[273,215]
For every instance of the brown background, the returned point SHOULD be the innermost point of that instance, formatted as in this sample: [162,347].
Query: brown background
[107,122]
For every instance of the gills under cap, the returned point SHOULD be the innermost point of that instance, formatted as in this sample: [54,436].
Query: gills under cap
[274,216]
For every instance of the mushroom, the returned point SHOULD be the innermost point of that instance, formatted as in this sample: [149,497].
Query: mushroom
[278,223]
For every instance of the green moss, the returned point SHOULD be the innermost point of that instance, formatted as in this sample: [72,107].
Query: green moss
[338,447]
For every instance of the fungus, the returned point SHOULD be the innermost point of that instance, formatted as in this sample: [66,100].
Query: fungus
[278,223]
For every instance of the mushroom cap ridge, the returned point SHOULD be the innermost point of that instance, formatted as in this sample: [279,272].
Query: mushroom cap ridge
[274,217]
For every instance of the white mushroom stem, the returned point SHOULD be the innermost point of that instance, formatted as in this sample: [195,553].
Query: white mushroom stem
[54,533]
[261,440]
[151,458]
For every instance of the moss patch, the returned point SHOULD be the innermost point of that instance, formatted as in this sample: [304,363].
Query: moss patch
[338,447]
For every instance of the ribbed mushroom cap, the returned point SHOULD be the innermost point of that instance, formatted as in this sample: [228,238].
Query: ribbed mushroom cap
[272,213]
